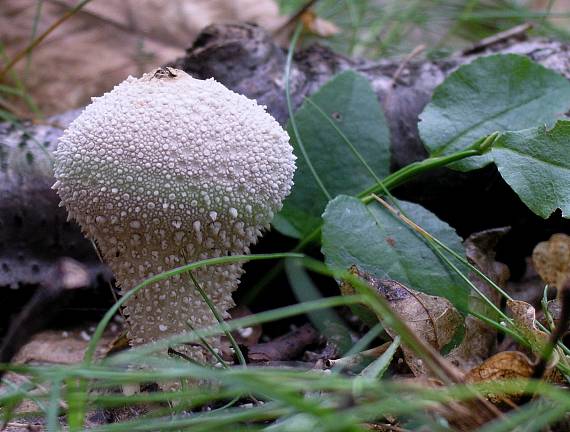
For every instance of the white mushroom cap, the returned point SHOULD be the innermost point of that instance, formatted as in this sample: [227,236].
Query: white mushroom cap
[165,170]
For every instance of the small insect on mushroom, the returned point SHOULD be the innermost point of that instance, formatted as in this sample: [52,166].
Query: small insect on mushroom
[165,170]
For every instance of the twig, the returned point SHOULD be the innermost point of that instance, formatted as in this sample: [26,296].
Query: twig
[25,426]
[14,110]
[285,347]
[23,53]
[414,53]
[383,427]
[496,38]
[356,360]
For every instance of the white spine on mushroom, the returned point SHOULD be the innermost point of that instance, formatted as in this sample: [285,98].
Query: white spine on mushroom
[166,170]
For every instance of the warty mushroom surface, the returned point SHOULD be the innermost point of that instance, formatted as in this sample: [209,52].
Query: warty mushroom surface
[165,170]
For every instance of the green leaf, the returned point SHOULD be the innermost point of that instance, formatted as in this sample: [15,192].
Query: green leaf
[347,141]
[326,321]
[494,93]
[536,164]
[370,237]
[378,367]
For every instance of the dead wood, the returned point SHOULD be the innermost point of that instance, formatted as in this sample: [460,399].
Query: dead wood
[285,347]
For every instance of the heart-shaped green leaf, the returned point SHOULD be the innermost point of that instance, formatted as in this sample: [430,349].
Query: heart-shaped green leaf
[536,164]
[494,93]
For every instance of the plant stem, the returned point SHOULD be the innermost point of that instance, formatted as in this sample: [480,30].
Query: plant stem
[389,182]
[212,351]
[558,332]
[478,148]
[408,172]
[296,134]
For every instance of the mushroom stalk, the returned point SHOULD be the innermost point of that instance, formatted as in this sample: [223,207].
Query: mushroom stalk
[165,170]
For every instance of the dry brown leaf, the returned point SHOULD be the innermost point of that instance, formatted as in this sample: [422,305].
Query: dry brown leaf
[434,319]
[110,39]
[118,344]
[509,365]
[480,339]
[61,347]
[502,366]
[552,259]
[524,317]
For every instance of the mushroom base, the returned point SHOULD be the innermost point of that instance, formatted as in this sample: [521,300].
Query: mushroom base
[174,306]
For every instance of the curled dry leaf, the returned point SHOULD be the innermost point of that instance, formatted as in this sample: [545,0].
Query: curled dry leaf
[502,366]
[508,365]
[524,316]
[552,259]
[434,319]
[480,339]
[480,251]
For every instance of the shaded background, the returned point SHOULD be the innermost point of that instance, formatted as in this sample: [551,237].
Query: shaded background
[107,40]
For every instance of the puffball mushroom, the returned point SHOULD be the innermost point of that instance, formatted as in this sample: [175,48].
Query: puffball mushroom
[165,170]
